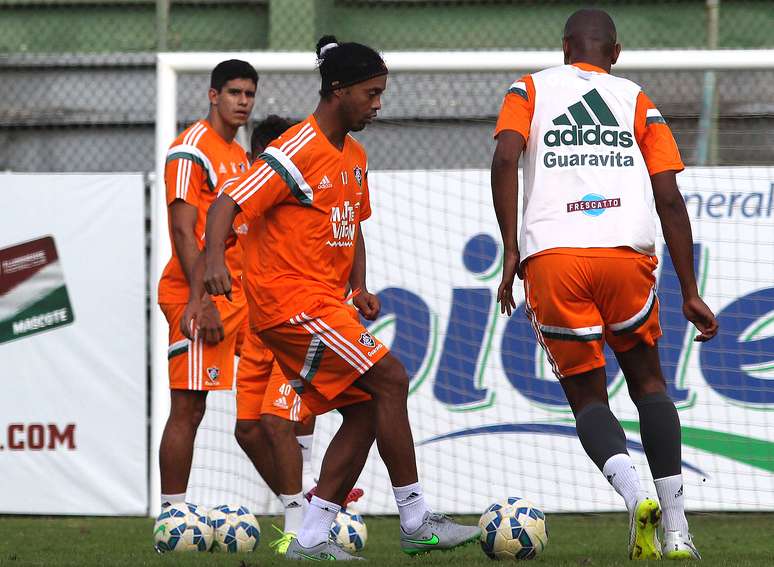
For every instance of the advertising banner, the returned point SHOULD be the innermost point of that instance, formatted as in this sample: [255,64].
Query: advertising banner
[489,418]
[73,432]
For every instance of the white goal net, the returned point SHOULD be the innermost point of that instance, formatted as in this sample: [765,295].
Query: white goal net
[489,419]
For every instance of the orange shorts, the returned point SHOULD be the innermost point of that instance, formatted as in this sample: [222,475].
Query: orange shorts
[195,365]
[576,303]
[262,387]
[323,352]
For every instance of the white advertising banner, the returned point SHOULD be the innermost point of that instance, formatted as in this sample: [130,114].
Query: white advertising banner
[488,417]
[73,428]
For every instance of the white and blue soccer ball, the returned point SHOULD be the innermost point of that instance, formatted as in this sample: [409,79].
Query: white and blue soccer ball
[182,526]
[236,529]
[513,528]
[349,531]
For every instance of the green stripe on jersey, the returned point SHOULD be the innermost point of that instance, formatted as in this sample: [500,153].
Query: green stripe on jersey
[517,91]
[562,121]
[197,160]
[280,169]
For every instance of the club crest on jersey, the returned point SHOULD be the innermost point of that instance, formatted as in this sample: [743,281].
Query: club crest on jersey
[213,373]
[366,340]
[242,167]
[358,175]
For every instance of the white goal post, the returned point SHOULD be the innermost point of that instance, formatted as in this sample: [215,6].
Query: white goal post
[170,65]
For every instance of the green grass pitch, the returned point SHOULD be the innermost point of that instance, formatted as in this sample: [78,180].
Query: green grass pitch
[737,540]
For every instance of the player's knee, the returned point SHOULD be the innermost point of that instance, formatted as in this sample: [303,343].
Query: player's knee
[392,379]
[361,417]
[246,431]
[188,411]
[197,414]
[651,384]
[278,431]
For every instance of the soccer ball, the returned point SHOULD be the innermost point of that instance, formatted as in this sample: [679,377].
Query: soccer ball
[349,531]
[236,529]
[182,526]
[513,529]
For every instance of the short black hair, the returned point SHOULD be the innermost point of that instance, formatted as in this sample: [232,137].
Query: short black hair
[591,31]
[267,130]
[229,70]
[345,64]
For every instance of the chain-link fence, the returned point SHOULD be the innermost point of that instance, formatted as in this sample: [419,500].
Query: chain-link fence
[121,26]
[78,76]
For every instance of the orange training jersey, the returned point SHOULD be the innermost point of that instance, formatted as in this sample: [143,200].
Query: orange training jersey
[303,200]
[198,162]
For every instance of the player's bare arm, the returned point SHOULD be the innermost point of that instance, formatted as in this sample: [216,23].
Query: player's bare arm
[505,192]
[220,219]
[182,218]
[367,303]
[183,221]
[201,313]
[676,227]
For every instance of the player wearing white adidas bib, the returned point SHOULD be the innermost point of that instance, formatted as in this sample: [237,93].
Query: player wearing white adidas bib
[599,159]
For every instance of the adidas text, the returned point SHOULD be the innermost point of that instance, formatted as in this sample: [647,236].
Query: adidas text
[590,136]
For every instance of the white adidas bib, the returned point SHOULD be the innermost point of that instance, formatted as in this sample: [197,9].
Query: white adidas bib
[585,180]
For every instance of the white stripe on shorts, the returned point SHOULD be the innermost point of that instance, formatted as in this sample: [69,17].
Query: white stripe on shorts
[332,342]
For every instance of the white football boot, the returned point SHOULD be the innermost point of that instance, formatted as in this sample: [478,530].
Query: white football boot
[679,546]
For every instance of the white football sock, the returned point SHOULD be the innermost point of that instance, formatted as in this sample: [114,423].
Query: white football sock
[294,511]
[317,522]
[307,476]
[620,472]
[411,506]
[670,496]
[172,498]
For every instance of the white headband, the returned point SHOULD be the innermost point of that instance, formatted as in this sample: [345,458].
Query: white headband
[326,47]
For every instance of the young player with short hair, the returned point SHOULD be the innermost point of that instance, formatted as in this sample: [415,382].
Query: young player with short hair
[305,198]
[599,157]
[197,163]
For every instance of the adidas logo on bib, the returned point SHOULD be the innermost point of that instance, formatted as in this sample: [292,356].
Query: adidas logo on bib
[588,122]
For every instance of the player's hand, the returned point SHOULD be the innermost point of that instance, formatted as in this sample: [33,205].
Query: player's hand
[368,304]
[511,269]
[202,316]
[189,319]
[209,322]
[697,312]
[217,279]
